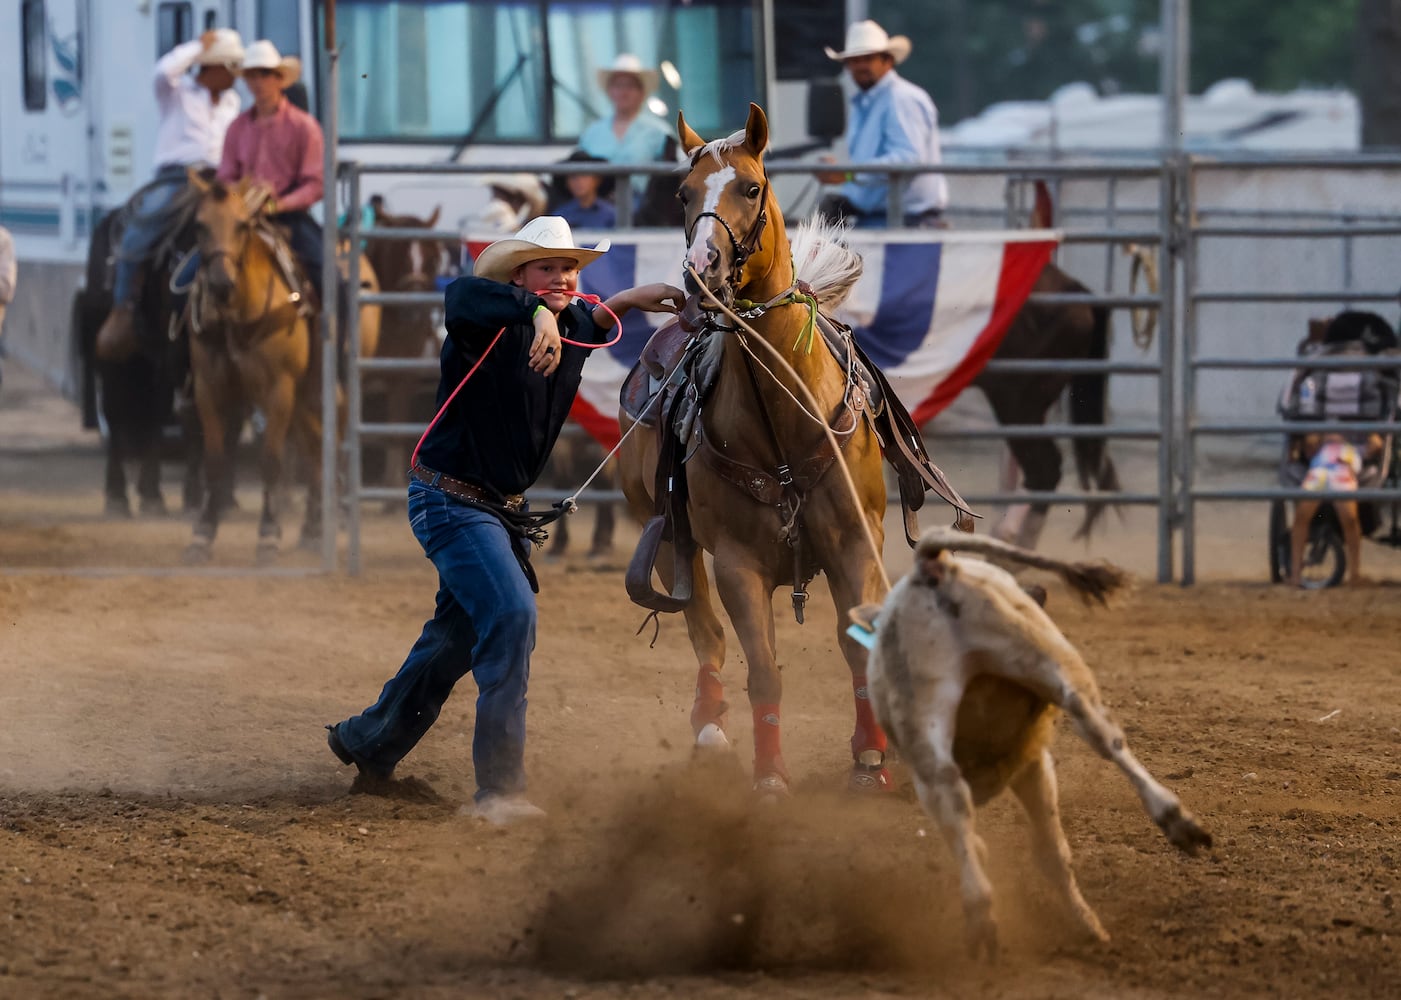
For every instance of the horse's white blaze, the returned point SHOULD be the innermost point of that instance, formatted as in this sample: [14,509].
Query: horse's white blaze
[698,254]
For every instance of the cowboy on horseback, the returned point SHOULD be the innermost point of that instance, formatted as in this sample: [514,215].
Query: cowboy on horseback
[280,146]
[195,113]
[517,320]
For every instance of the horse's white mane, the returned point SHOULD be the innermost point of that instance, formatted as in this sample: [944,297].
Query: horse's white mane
[822,258]
[715,147]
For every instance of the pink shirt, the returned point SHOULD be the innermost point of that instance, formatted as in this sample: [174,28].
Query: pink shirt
[283,150]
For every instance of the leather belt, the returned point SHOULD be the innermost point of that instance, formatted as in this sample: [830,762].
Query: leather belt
[514,502]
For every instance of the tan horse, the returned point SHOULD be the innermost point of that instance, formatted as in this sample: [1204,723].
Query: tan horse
[253,346]
[752,422]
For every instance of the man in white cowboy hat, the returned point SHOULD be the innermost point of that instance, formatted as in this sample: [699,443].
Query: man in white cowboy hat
[632,134]
[196,110]
[892,121]
[508,381]
[280,146]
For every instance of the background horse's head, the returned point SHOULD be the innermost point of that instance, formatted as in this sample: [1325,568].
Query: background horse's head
[223,226]
[411,265]
[726,200]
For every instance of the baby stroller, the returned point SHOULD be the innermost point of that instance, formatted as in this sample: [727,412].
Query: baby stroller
[1342,395]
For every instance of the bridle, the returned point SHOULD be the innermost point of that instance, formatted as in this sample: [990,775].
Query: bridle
[743,249]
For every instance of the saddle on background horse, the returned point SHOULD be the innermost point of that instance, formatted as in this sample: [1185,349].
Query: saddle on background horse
[667,389]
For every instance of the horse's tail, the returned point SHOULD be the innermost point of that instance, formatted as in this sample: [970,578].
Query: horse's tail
[1088,404]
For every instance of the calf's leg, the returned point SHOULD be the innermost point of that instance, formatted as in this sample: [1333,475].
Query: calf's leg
[1035,788]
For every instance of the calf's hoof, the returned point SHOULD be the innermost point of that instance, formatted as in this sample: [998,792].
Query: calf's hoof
[981,936]
[1183,831]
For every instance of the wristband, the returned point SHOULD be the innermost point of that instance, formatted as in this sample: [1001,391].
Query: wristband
[539,309]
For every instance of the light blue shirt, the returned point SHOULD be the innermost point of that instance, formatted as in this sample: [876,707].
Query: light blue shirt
[894,122]
[643,142]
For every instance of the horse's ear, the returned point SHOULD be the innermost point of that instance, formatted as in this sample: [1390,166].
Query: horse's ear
[432,220]
[756,131]
[690,142]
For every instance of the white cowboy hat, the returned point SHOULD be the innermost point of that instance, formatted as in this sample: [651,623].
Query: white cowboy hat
[865,38]
[539,239]
[630,64]
[262,54]
[226,50]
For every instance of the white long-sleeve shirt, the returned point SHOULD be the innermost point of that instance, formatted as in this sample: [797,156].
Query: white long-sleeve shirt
[192,126]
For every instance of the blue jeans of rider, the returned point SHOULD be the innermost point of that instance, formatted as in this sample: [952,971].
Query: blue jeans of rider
[484,623]
[143,231]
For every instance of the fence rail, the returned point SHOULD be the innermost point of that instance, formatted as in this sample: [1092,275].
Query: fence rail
[1181,230]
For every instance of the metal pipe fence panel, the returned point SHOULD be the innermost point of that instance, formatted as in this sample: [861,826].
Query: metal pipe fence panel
[1186,228]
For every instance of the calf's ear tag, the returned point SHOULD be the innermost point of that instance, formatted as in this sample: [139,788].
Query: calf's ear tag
[866,636]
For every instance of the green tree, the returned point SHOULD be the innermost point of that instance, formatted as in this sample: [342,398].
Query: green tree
[972,53]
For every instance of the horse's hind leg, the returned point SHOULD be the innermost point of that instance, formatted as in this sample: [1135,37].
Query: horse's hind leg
[148,481]
[1040,462]
[1035,788]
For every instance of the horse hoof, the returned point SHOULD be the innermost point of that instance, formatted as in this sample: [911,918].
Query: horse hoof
[267,552]
[310,541]
[771,788]
[868,780]
[153,507]
[712,739]
[197,552]
[117,507]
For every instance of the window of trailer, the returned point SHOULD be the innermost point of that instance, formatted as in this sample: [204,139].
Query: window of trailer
[527,70]
[33,64]
[175,24]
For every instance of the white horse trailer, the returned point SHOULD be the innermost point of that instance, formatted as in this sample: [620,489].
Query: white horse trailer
[421,81]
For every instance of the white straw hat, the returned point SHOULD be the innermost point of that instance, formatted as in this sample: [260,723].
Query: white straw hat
[226,50]
[866,38]
[539,239]
[262,54]
[630,64]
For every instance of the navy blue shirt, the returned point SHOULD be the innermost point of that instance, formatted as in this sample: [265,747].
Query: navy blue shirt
[500,429]
[601,216]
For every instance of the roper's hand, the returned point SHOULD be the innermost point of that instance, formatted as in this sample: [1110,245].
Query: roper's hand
[830,176]
[544,349]
[207,39]
[660,297]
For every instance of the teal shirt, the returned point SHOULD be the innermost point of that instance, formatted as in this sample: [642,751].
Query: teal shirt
[643,142]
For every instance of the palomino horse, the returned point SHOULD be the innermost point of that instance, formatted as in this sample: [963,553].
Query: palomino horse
[764,497]
[252,345]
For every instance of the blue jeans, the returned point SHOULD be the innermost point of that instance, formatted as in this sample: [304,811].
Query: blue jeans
[484,623]
[141,233]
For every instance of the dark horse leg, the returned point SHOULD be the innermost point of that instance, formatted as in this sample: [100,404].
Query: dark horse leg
[117,503]
[308,427]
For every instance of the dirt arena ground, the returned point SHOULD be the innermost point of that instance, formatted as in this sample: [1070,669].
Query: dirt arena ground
[172,824]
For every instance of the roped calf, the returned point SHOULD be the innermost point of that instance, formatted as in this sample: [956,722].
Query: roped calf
[967,674]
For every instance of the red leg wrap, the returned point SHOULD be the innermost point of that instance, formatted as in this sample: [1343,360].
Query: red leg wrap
[767,751]
[868,734]
[709,705]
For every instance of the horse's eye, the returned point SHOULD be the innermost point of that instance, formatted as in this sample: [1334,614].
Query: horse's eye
[753,191]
